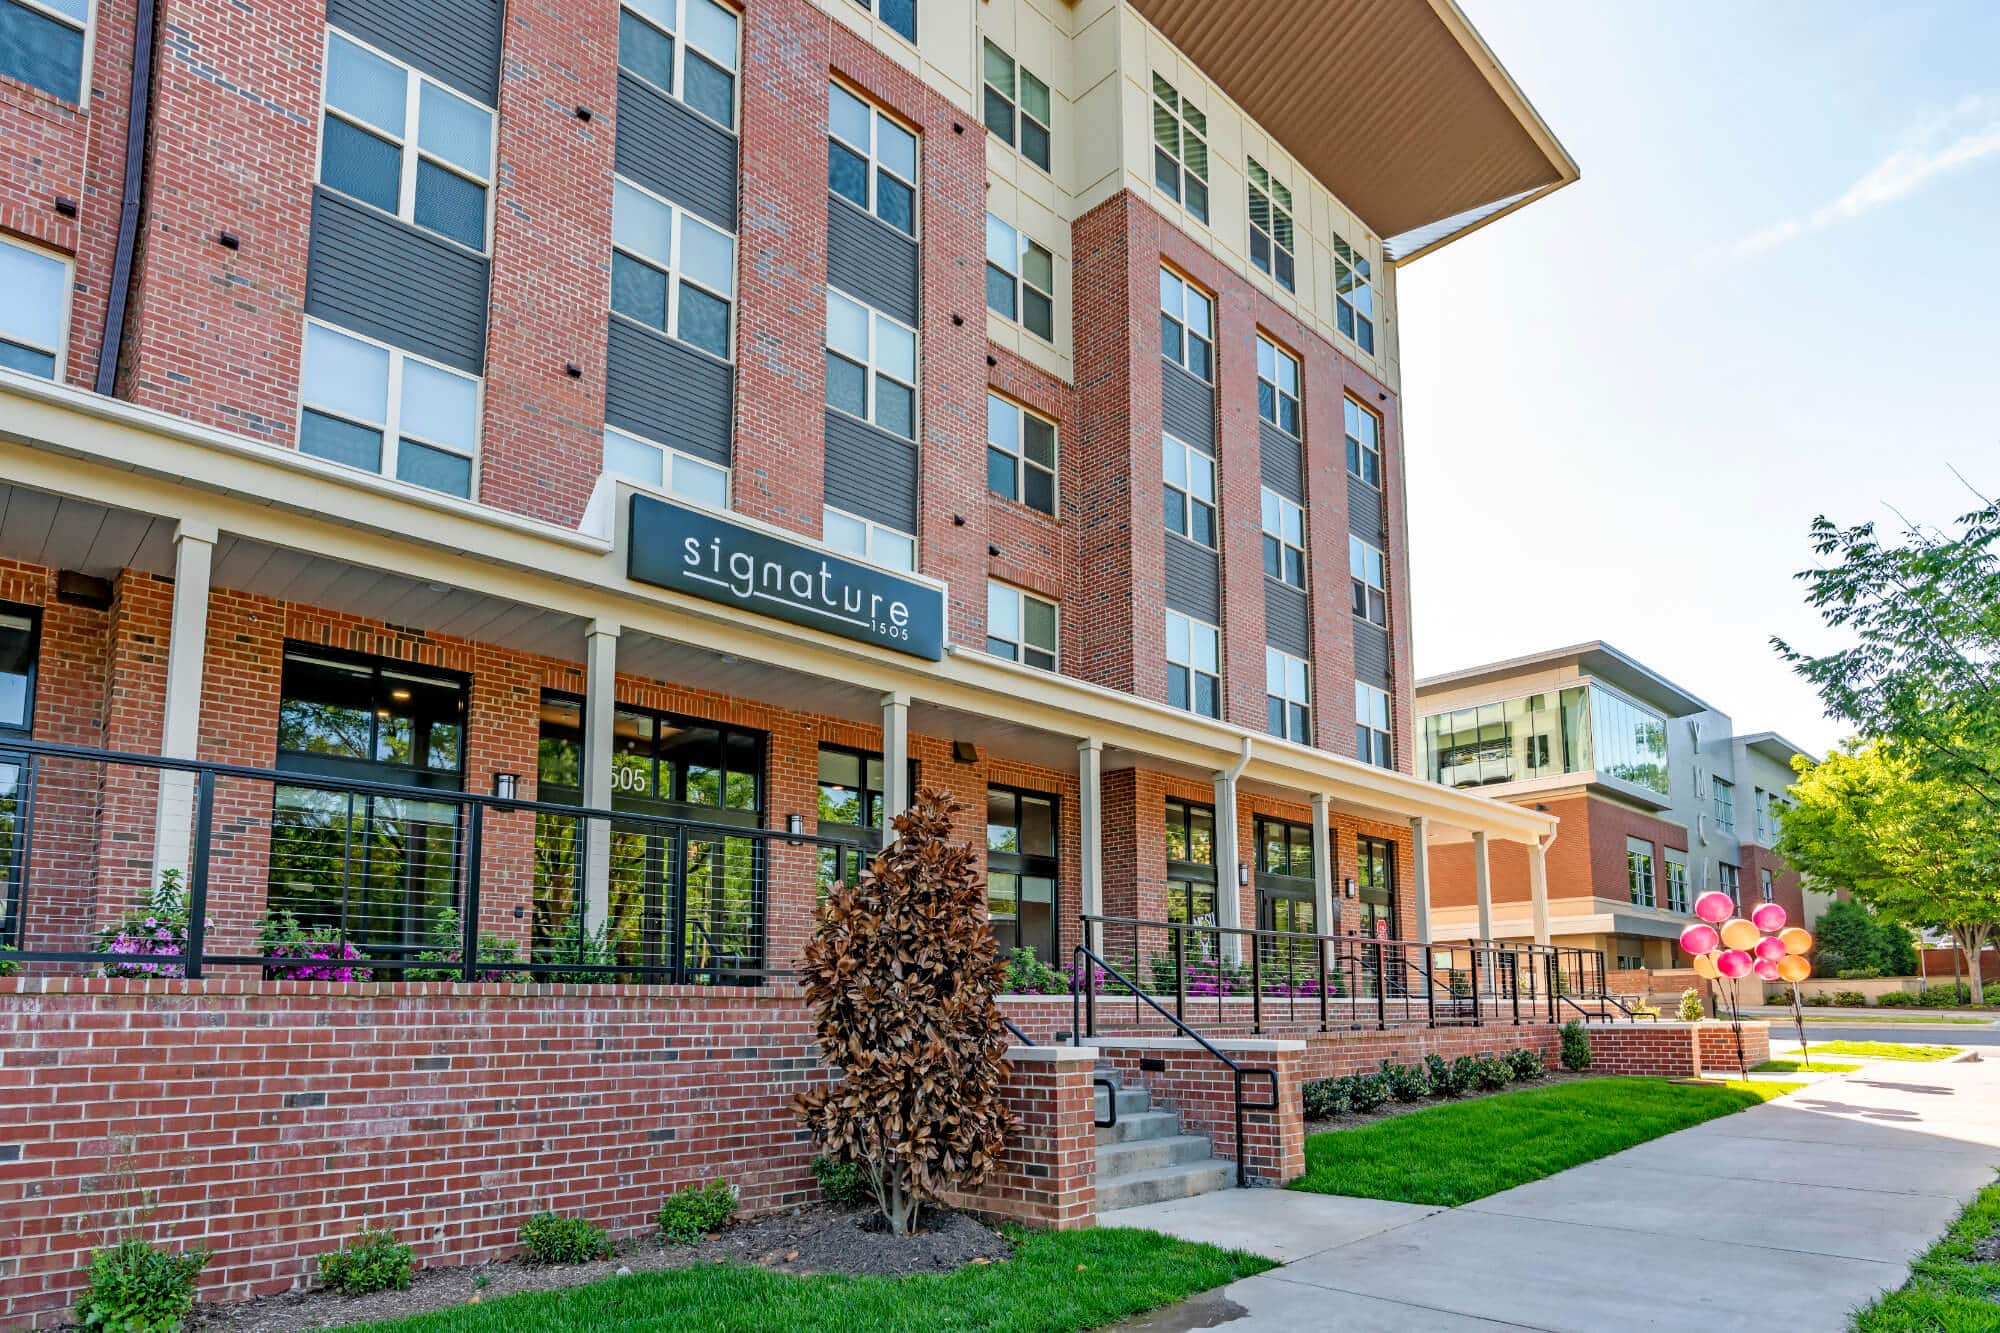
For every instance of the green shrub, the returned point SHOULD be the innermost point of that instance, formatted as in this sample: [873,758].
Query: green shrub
[1366,1092]
[8,967]
[1947,996]
[842,1182]
[1992,993]
[1029,975]
[1858,973]
[691,1213]
[1406,1083]
[1326,1098]
[1438,1070]
[1850,999]
[446,939]
[1691,1010]
[1575,1045]
[1526,1064]
[134,1287]
[1900,999]
[551,1238]
[1819,999]
[373,1261]
[1490,1073]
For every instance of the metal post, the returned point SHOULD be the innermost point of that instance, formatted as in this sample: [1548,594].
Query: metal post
[1325,977]
[1381,987]
[1430,989]
[1256,985]
[1180,972]
[1474,952]
[1514,986]
[197,904]
[468,956]
[24,850]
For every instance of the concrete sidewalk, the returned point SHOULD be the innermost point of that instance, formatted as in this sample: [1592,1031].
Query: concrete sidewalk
[1808,1206]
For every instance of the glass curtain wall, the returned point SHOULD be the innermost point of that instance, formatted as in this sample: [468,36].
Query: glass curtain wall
[1575,730]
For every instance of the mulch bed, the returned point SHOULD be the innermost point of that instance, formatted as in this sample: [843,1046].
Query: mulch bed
[821,1239]
[1390,1110]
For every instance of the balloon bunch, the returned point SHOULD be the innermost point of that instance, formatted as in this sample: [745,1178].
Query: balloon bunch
[1726,948]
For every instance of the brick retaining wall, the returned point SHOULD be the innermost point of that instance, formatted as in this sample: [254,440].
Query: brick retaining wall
[1668,1048]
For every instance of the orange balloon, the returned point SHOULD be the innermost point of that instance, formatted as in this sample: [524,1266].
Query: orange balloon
[1737,933]
[1704,966]
[1796,939]
[1794,967]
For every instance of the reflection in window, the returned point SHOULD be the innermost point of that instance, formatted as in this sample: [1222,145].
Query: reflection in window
[1630,742]
[18,644]
[1021,870]
[1190,863]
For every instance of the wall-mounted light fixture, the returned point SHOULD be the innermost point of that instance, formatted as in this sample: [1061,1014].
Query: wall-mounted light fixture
[1347,888]
[965,752]
[795,825]
[505,785]
[1242,875]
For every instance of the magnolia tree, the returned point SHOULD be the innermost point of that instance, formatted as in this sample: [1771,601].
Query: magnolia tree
[901,973]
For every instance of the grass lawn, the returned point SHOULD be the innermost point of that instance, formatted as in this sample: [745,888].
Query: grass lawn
[1799,1066]
[1057,1281]
[1883,1050]
[1909,1019]
[1456,1153]
[1948,1290]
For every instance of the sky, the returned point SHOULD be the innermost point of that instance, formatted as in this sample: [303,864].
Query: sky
[1774,293]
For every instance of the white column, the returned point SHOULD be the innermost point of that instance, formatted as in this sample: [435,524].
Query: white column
[1420,862]
[1090,820]
[895,761]
[1482,880]
[600,710]
[180,725]
[1325,904]
[1228,893]
[1538,888]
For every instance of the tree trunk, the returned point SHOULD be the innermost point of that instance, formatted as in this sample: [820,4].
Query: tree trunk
[1972,939]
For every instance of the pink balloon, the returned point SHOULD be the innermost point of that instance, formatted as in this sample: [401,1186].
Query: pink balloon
[1714,906]
[1770,947]
[1769,917]
[1733,963]
[1766,969]
[1699,938]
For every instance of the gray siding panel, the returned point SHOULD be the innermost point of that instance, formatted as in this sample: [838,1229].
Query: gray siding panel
[1371,654]
[662,391]
[1194,579]
[675,153]
[1364,510]
[1286,619]
[871,472]
[455,41]
[1187,407]
[381,277]
[1281,464]
[868,258]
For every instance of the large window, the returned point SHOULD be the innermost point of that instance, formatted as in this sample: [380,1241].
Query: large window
[1537,736]
[1194,665]
[1354,295]
[871,365]
[1364,442]
[1677,882]
[850,806]
[1277,386]
[1020,454]
[42,44]
[1725,804]
[405,143]
[871,160]
[874,542]
[1729,880]
[20,643]
[686,49]
[1372,727]
[1639,870]
[381,409]
[1284,887]
[18,650]
[1187,325]
[1020,626]
[1629,742]
[899,15]
[1022,870]
[1014,98]
[1365,571]
[1284,539]
[1288,696]
[1020,279]
[1180,149]
[659,468]
[1271,240]
[1770,885]
[1375,881]
[33,316]
[1190,491]
[670,271]
[1190,863]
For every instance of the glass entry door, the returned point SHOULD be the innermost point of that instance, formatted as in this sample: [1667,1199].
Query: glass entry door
[1285,886]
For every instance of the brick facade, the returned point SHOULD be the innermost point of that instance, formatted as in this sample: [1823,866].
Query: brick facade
[1669,1049]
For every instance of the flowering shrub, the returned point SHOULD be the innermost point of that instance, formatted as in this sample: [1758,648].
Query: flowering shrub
[157,931]
[323,955]
[444,946]
[1029,975]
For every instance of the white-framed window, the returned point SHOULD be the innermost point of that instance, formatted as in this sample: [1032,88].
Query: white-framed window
[1284,539]
[1020,279]
[871,159]
[1277,386]
[659,468]
[34,316]
[46,45]
[1729,880]
[1271,235]
[400,141]
[1725,804]
[1677,882]
[1020,626]
[1190,491]
[686,49]
[381,409]
[1187,325]
[1365,570]
[1180,149]
[1194,665]
[1353,295]
[1288,696]
[1017,106]
[871,365]
[1372,726]
[670,271]
[1364,442]
[874,542]
[1639,870]
[1770,886]
[1020,454]
[900,16]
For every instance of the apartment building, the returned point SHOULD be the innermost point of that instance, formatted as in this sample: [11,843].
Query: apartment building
[1660,799]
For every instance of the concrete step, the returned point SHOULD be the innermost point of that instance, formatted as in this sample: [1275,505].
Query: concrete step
[1127,1159]
[1180,1181]
[1131,1101]
[1140,1125]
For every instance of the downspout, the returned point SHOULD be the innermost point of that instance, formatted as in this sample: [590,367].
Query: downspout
[1242,762]
[138,112]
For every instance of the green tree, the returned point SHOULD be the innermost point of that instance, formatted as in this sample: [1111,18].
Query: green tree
[1846,939]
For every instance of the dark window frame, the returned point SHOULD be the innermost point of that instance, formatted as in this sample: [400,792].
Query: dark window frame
[1024,864]
[33,615]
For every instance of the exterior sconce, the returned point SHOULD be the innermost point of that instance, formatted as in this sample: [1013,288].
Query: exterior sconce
[1347,888]
[796,826]
[1242,875]
[504,785]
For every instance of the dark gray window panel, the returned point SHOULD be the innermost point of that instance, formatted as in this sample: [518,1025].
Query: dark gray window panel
[388,280]
[871,472]
[675,153]
[665,391]
[1364,511]
[454,41]
[1282,467]
[1187,407]
[1194,579]
[1371,654]
[869,259]
[1286,619]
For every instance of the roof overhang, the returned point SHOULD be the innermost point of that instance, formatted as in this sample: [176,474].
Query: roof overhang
[1596,659]
[1398,106]
[1773,746]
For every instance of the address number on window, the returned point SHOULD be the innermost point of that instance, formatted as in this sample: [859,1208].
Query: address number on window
[630,779]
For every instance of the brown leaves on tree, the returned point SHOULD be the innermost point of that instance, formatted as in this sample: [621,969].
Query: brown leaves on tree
[901,973]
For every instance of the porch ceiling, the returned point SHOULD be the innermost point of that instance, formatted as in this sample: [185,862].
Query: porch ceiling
[61,533]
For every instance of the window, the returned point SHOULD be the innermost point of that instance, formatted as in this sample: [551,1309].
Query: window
[378,408]
[1677,883]
[871,160]
[1631,962]
[688,299]
[1020,455]
[1375,877]
[871,365]
[1364,446]
[1284,892]
[1190,863]
[1020,279]
[405,143]
[1725,805]
[873,542]
[1353,295]
[1371,726]
[1627,742]
[1194,665]
[1187,322]
[20,643]
[1770,887]
[1288,696]
[36,309]
[1015,96]
[1579,729]
[42,44]
[1767,816]
[686,49]
[1020,626]
[1639,870]
[1022,870]
[850,806]
[1728,879]
[1271,227]
[1180,149]
[1364,567]
[900,15]
[1277,386]
[662,469]
[1190,491]
[1284,539]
